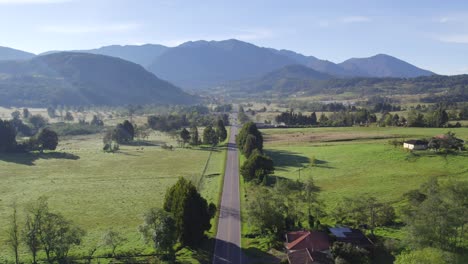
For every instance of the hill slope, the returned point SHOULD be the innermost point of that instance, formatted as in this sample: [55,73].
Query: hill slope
[204,64]
[286,80]
[83,79]
[382,65]
[13,54]
[143,55]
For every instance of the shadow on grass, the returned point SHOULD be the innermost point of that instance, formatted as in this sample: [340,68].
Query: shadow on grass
[282,158]
[30,158]
[144,143]
[212,175]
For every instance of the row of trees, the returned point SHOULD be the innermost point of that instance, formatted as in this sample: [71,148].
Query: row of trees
[211,136]
[257,166]
[435,118]
[173,122]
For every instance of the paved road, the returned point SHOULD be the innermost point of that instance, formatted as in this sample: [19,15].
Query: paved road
[228,237]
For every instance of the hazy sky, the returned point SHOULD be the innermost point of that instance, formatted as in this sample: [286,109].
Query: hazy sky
[430,34]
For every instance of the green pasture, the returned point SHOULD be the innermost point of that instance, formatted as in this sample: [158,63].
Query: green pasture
[100,191]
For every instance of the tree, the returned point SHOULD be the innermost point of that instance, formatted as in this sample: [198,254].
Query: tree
[26,113]
[209,136]
[13,234]
[250,145]
[129,129]
[346,253]
[194,140]
[7,136]
[438,216]
[221,130]
[51,112]
[31,233]
[159,228]
[96,121]
[58,235]
[190,210]
[446,142]
[266,212]
[122,133]
[110,143]
[425,255]
[113,239]
[257,167]
[16,114]
[185,136]
[37,121]
[415,119]
[69,117]
[249,129]
[47,139]
[309,197]
[365,211]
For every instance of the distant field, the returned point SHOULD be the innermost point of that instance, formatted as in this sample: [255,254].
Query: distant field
[355,161]
[100,190]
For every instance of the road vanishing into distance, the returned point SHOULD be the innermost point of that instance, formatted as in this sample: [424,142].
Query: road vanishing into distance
[228,237]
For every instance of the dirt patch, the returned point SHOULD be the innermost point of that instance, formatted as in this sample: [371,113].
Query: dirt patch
[324,137]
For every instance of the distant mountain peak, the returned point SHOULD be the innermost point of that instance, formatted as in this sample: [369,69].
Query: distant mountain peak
[382,65]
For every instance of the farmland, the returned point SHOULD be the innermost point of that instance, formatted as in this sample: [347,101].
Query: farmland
[356,161]
[99,191]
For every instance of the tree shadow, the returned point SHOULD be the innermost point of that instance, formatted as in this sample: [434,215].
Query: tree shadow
[212,175]
[227,252]
[29,158]
[282,158]
[144,143]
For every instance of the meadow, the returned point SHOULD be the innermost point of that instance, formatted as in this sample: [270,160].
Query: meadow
[100,191]
[356,161]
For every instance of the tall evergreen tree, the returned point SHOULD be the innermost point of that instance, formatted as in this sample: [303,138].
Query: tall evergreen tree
[194,138]
[249,128]
[185,135]
[209,136]
[7,136]
[221,130]
[190,210]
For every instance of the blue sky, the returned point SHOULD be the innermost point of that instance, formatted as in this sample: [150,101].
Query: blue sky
[430,34]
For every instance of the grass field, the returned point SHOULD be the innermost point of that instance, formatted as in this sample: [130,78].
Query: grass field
[355,161]
[98,190]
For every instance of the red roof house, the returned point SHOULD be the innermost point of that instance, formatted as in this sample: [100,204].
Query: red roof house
[313,241]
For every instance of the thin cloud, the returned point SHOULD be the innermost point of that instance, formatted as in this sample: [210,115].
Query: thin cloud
[458,39]
[84,29]
[355,19]
[26,2]
[239,34]
[253,34]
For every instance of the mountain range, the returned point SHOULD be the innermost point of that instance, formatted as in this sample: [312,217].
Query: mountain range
[14,54]
[206,64]
[71,78]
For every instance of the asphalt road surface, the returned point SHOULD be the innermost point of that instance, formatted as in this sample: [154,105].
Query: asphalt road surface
[228,236]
